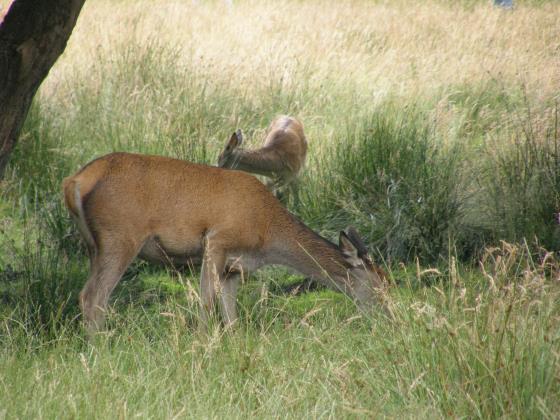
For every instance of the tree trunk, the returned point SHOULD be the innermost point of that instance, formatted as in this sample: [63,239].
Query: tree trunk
[32,36]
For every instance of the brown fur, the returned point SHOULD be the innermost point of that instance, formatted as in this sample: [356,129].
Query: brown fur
[281,157]
[166,209]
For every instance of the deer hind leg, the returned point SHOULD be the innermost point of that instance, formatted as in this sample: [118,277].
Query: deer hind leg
[108,264]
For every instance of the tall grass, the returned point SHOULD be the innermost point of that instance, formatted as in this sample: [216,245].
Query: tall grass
[523,180]
[422,174]
[471,346]
[46,291]
[422,158]
[432,128]
[391,176]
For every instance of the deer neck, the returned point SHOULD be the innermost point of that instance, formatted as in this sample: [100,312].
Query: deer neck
[264,161]
[300,248]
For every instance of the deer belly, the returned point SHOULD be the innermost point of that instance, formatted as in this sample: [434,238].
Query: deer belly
[245,262]
[170,252]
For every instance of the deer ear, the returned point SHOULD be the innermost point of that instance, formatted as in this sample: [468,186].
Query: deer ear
[239,135]
[348,249]
[235,140]
[355,238]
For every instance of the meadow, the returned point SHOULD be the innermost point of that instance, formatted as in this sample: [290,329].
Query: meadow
[433,127]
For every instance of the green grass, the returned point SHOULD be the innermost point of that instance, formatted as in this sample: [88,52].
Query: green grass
[390,175]
[435,171]
[465,347]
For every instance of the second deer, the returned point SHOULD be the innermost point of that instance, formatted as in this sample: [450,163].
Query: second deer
[281,157]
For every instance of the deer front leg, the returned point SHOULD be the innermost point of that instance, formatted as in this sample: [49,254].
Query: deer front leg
[211,276]
[228,296]
[293,187]
[276,186]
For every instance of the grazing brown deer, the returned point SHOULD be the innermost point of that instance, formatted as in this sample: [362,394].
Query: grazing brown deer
[281,157]
[164,209]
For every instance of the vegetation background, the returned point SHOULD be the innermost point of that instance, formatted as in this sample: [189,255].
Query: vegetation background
[433,128]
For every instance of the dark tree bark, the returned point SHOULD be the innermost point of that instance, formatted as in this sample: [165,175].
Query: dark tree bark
[33,35]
